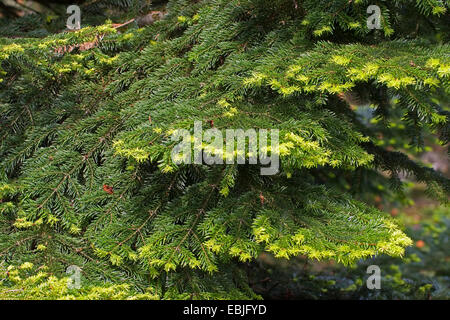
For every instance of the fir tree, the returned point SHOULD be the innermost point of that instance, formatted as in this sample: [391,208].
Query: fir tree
[86,174]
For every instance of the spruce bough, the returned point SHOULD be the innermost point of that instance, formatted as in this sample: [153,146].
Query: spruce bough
[86,175]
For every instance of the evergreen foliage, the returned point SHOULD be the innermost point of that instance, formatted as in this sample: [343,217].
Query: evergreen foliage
[86,175]
[423,274]
[27,283]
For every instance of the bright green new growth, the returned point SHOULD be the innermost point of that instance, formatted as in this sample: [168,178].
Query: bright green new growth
[87,177]
[29,283]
